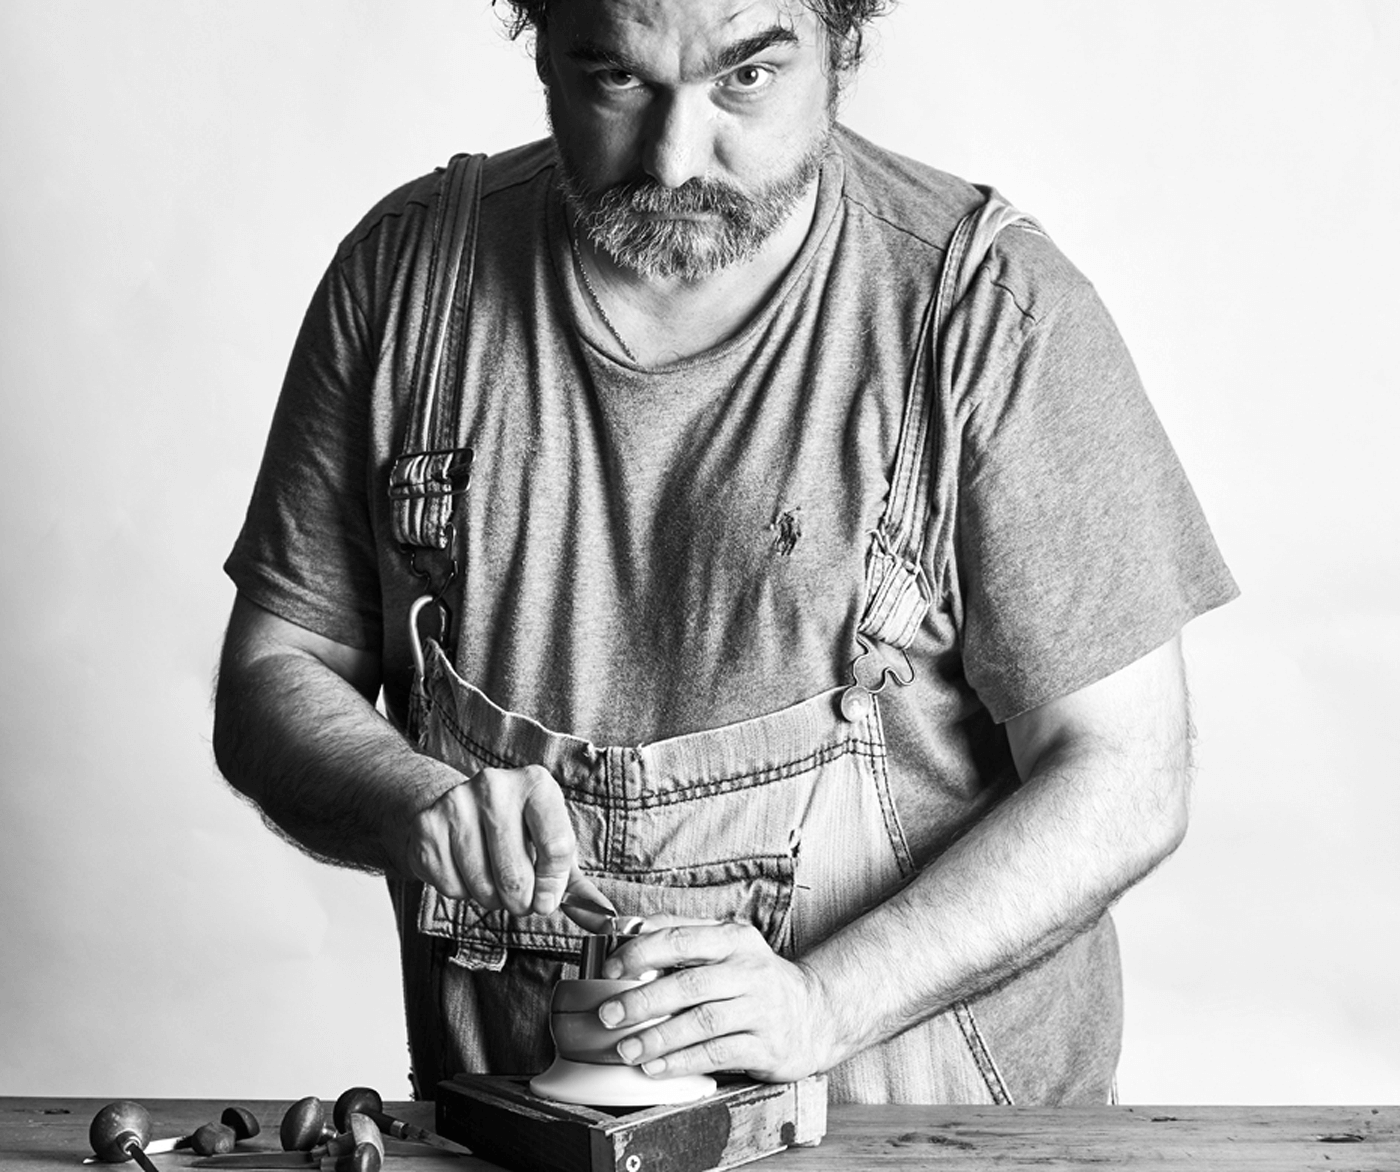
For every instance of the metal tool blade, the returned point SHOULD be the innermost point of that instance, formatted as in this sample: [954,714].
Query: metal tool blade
[584,903]
[433,1140]
[261,1160]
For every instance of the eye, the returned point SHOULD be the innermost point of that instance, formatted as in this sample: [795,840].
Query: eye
[749,78]
[615,80]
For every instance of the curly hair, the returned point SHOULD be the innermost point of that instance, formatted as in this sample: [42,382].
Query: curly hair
[845,22]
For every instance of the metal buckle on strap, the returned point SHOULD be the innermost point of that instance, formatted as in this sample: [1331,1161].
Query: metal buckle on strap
[436,597]
[857,700]
[422,489]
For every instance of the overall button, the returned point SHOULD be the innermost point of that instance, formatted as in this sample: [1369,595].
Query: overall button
[856,703]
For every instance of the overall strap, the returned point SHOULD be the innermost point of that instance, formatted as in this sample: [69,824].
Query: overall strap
[433,467]
[898,592]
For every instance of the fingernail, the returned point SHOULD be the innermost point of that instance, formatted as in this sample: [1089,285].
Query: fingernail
[610,1014]
[655,1066]
[630,1049]
[612,969]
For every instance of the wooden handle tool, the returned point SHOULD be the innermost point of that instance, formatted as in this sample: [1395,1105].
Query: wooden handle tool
[304,1126]
[120,1132]
[345,1153]
[362,1158]
[366,1101]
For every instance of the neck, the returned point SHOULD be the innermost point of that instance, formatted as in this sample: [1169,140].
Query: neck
[664,319]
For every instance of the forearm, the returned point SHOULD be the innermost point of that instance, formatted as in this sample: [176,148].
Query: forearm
[1035,872]
[318,759]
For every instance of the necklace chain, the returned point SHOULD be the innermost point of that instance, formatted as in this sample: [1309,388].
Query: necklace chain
[597,304]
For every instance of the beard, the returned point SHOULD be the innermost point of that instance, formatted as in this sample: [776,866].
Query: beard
[644,226]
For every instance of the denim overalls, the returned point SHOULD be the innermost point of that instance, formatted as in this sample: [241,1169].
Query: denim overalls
[784,821]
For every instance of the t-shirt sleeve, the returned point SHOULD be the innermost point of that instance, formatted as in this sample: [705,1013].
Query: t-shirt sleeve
[307,551]
[1080,543]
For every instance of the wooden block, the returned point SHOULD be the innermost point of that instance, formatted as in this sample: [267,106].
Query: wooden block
[499,1119]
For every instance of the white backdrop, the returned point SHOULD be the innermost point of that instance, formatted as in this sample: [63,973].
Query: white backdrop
[174,175]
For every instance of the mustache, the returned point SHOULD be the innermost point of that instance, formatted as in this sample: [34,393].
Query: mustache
[696,196]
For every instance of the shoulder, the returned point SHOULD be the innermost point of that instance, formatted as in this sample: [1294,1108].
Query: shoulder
[381,258]
[398,219]
[899,197]
[914,209]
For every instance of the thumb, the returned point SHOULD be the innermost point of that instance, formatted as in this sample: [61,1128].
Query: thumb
[582,890]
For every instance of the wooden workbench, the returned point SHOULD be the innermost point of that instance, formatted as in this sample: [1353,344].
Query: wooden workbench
[45,1134]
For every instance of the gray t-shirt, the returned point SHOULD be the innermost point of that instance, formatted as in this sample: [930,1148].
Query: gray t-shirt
[651,552]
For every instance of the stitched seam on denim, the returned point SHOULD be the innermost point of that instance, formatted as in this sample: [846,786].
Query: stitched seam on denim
[977,1046]
[566,944]
[620,801]
[899,844]
[779,870]
[421,390]
[611,786]
[471,744]
[743,781]
[447,422]
[782,918]
[542,939]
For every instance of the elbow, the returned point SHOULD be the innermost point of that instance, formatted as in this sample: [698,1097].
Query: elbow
[230,741]
[1165,829]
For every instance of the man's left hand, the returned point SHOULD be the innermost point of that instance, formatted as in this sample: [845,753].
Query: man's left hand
[731,1003]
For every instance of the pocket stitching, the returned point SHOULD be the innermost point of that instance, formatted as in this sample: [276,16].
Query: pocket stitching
[491,934]
[981,1055]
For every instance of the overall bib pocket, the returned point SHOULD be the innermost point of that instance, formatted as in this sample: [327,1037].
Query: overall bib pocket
[797,802]
[755,891]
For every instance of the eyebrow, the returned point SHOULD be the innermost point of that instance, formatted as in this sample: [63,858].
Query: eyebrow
[588,52]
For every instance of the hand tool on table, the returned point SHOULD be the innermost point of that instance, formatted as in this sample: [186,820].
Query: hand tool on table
[120,1132]
[360,1148]
[364,1158]
[213,1138]
[366,1101]
[234,1125]
[304,1125]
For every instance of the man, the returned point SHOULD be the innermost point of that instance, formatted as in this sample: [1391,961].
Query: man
[693,528]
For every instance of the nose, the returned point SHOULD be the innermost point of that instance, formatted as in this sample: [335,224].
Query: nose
[679,139]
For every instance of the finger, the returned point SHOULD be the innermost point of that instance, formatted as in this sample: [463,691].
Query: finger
[551,839]
[503,829]
[731,1052]
[709,1037]
[470,860]
[682,945]
[579,884]
[430,854]
[677,993]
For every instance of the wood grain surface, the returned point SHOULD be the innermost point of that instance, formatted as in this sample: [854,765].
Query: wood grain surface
[39,1133]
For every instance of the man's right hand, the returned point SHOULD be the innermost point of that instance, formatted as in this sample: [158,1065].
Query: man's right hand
[502,838]
[296,730]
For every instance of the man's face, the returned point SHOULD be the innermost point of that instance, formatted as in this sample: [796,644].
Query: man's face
[688,129]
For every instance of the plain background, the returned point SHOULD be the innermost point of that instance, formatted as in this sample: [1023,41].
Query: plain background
[174,175]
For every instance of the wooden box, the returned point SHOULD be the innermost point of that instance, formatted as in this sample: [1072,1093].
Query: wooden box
[500,1120]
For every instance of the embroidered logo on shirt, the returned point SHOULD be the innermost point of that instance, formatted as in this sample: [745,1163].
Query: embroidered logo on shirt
[788,529]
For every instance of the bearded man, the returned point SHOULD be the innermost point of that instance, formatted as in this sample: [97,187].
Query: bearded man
[745,526]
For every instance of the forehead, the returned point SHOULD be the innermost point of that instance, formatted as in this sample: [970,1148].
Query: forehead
[677,36]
